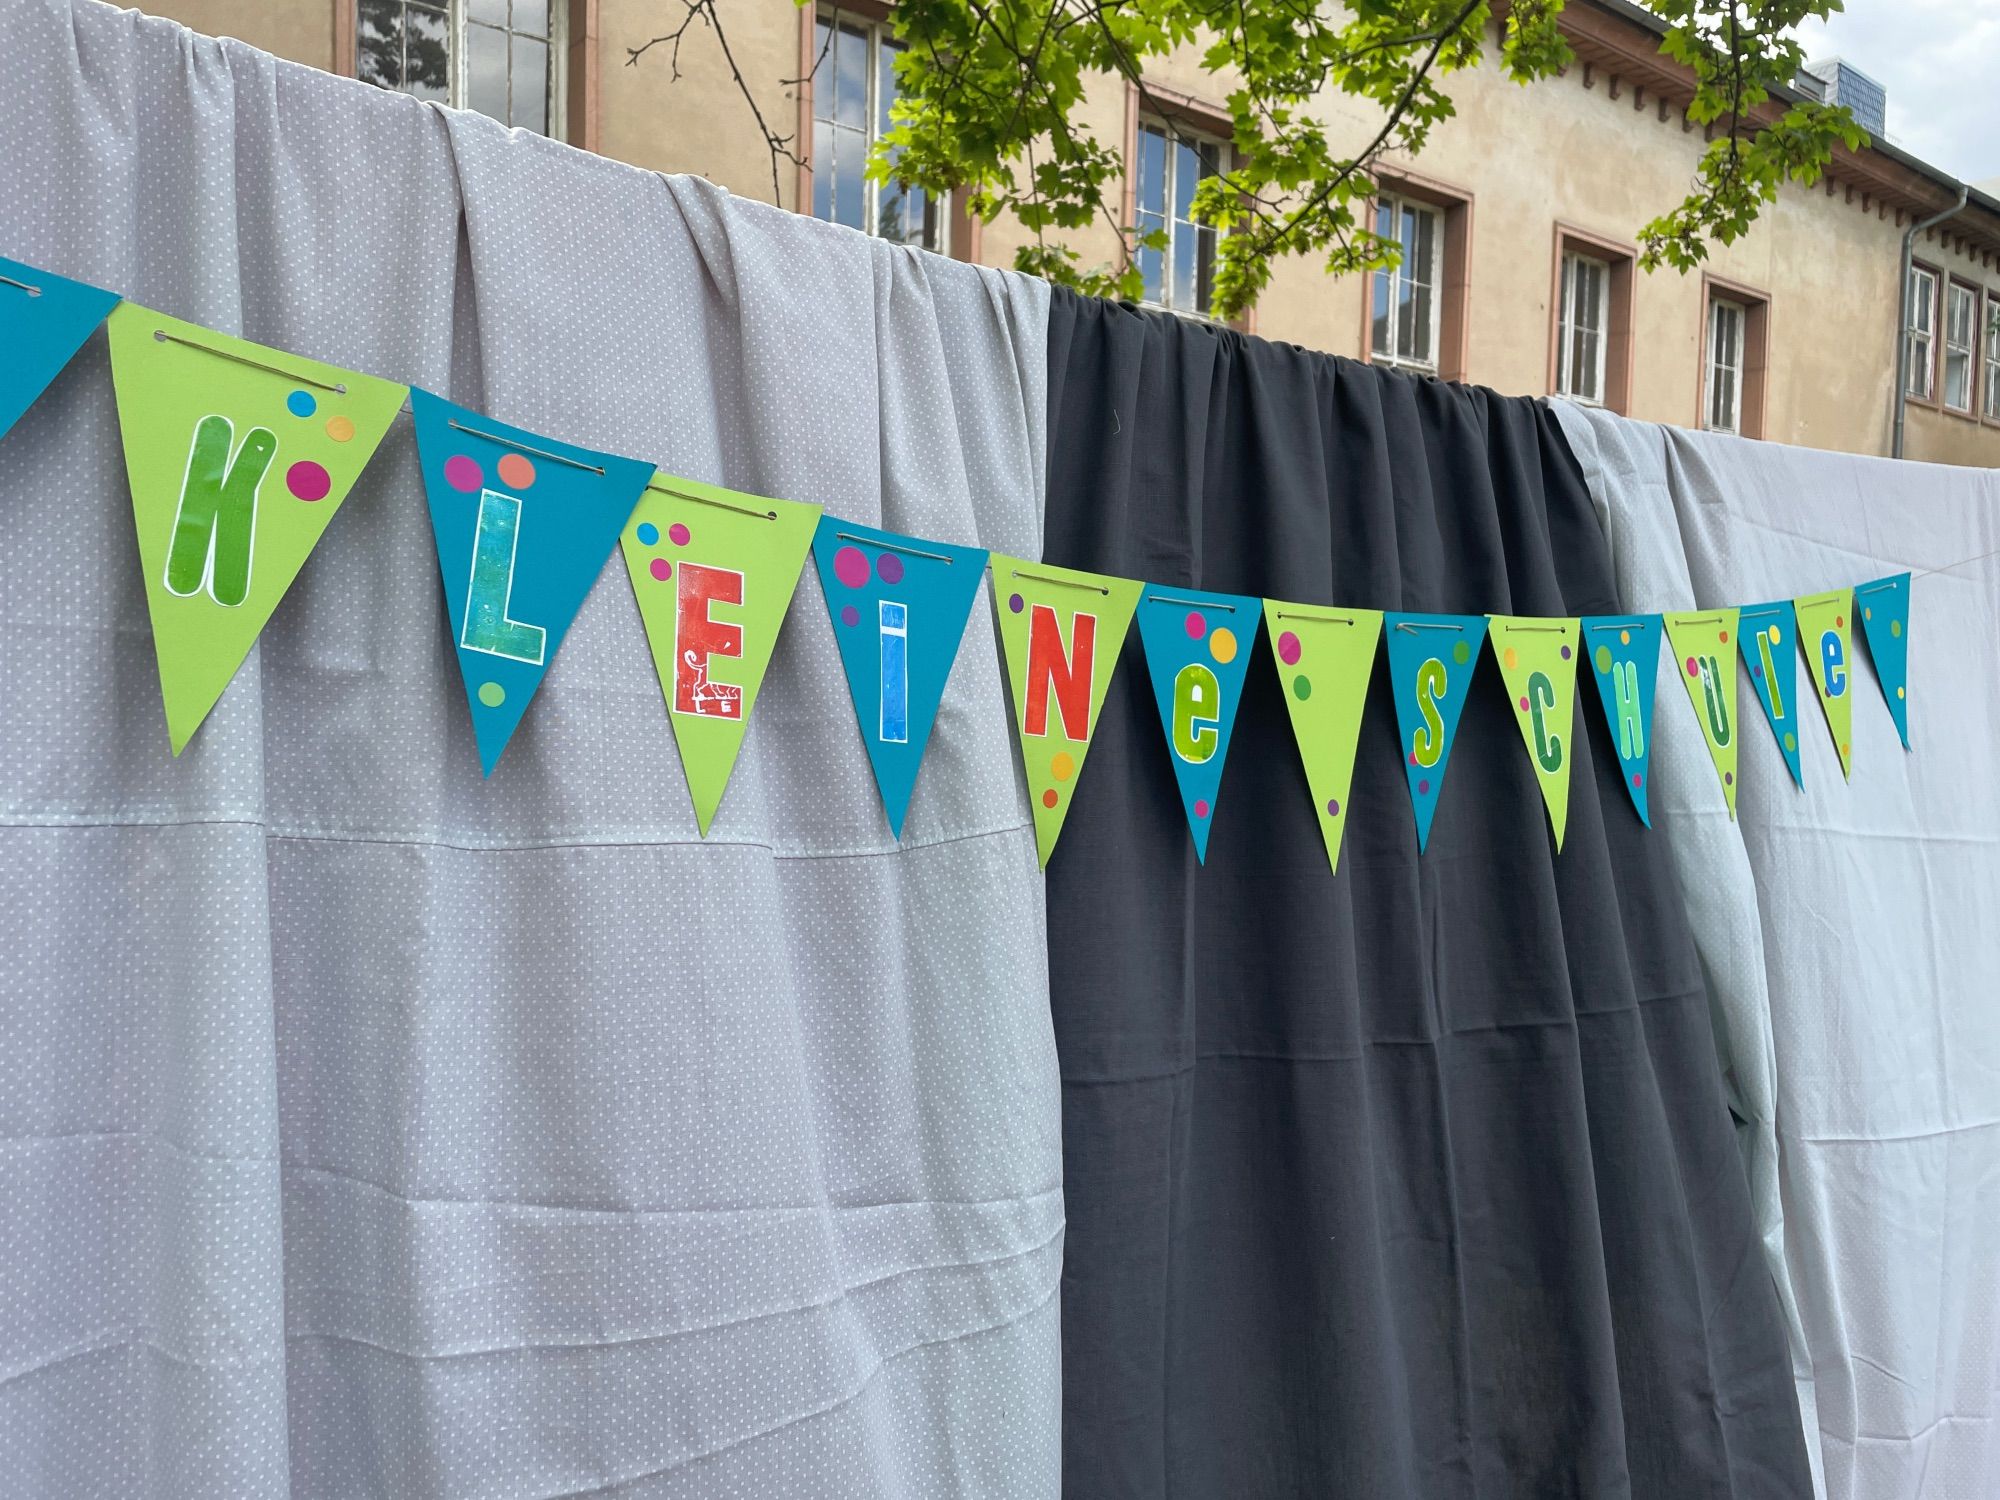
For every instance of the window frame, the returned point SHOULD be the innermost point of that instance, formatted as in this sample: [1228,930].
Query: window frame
[1615,344]
[347,22]
[1955,287]
[1989,355]
[1928,366]
[1567,326]
[1395,359]
[1753,354]
[1712,365]
[1176,133]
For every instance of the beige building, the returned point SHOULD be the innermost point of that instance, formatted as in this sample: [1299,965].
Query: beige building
[1518,220]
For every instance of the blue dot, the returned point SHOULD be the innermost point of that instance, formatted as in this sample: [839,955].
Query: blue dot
[649,534]
[301,404]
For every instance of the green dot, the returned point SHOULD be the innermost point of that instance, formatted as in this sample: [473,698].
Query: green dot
[1302,686]
[1604,658]
[1896,628]
[492,694]
[1461,653]
[1791,740]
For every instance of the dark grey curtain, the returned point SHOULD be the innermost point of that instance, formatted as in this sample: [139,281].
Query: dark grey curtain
[1417,1181]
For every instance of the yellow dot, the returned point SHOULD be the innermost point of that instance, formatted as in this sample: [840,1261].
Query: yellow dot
[1896,629]
[340,429]
[1511,658]
[1774,633]
[1624,637]
[1899,692]
[1062,766]
[1222,644]
[1867,614]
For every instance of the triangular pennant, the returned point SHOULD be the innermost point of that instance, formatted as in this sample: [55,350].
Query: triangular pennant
[714,572]
[1061,631]
[1325,658]
[1538,661]
[1770,640]
[899,606]
[1197,653]
[1624,654]
[1703,642]
[1824,621]
[523,526]
[238,456]
[1431,662]
[44,320]
[1885,621]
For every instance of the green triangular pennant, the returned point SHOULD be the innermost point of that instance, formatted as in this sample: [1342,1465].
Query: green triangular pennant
[1705,658]
[1062,631]
[1325,658]
[238,457]
[1825,621]
[714,572]
[1538,660]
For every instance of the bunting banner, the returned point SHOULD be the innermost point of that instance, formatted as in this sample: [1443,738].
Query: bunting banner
[1823,631]
[1538,662]
[44,320]
[238,457]
[1061,632]
[714,573]
[899,606]
[1701,641]
[1432,659]
[1325,658]
[523,526]
[1198,653]
[1770,639]
[1624,653]
[1885,622]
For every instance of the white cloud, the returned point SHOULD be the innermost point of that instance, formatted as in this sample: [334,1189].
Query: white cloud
[1937,60]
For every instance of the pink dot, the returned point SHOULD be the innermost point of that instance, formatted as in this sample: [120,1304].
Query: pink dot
[1197,627]
[678,534]
[1333,807]
[890,567]
[1288,649]
[1524,705]
[850,566]
[308,480]
[1201,807]
[1413,757]
[849,615]
[662,569]
[1693,670]
[1424,787]
[462,473]
[1638,779]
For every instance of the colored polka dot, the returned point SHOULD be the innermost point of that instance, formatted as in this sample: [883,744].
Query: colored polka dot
[662,569]
[463,473]
[1775,634]
[1867,614]
[492,694]
[1524,705]
[1201,807]
[1288,649]
[1461,653]
[340,429]
[1049,798]
[1222,646]
[1565,653]
[1197,626]
[1638,778]
[1844,753]
[1756,670]
[1899,693]
[889,568]
[1791,740]
[1302,687]
[1413,757]
[1693,669]
[1510,658]
[850,566]
[1722,636]
[1016,603]
[308,480]
[1604,658]
[649,534]
[1896,628]
[1424,787]
[1624,637]
[1839,623]
[1729,778]
[301,404]
[1333,807]
[1062,767]
[679,535]
[515,471]
[849,615]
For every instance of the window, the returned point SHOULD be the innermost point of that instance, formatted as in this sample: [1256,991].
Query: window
[1583,328]
[1406,297]
[1922,330]
[500,57]
[1170,163]
[1991,345]
[1722,409]
[1961,322]
[853,87]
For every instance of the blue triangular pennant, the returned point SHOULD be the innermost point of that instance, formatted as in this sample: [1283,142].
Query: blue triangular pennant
[1624,656]
[899,606]
[1197,653]
[44,320]
[523,525]
[1885,621]
[1769,634]
[1431,662]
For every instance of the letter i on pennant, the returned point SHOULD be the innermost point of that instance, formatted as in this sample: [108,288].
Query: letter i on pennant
[1061,632]
[1769,636]
[1704,645]
[1538,662]
[714,572]
[1431,663]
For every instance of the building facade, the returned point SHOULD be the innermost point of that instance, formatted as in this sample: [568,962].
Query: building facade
[1518,221]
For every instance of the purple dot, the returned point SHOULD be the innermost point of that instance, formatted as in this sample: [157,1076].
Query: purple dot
[850,566]
[308,480]
[1424,787]
[1201,807]
[1016,603]
[1333,807]
[678,534]
[662,569]
[1197,627]
[1288,649]
[850,616]
[889,568]
[1565,653]
[1729,778]
[462,473]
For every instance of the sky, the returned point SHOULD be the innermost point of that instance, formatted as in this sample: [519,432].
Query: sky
[1937,60]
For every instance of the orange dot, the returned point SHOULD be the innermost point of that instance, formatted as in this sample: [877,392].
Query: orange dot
[1049,797]
[1511,658]
[1839,623]
[1724,636]
[516,472]
[340,429]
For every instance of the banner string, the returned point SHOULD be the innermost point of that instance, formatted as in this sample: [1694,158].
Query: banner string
[869,541]
[161,336]
[741,510]
[28,287]
[1067,583]
[1287,614]
[1945,569]
[507,442]
[1190,603]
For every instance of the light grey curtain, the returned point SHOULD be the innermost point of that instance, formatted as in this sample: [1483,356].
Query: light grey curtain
[1847,929]
[367,1129]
